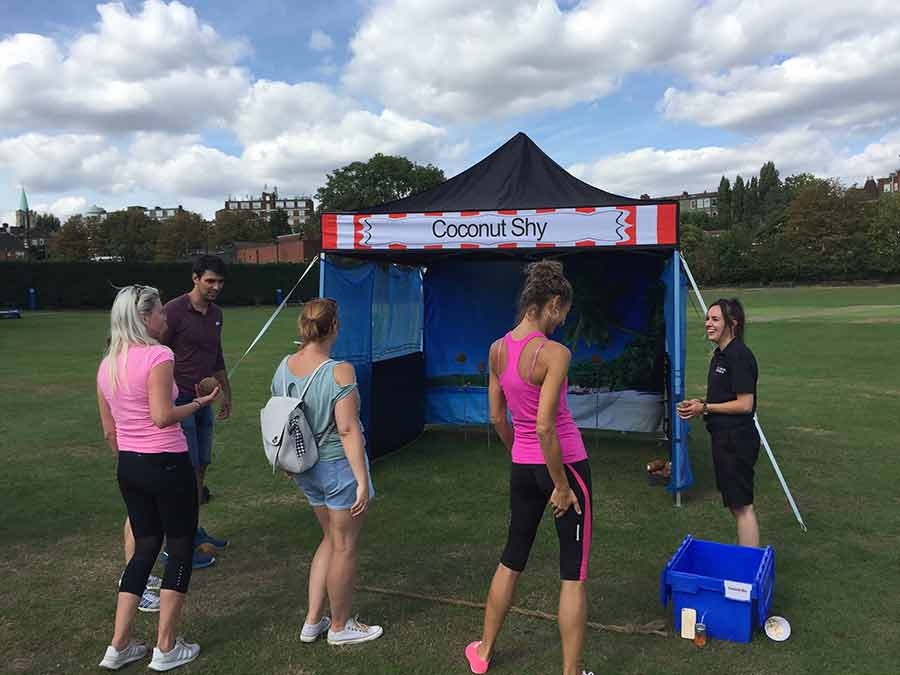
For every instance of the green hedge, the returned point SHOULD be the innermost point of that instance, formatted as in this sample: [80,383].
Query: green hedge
[77,285]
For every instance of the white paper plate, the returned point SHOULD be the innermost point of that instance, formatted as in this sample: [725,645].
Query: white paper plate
[778,628]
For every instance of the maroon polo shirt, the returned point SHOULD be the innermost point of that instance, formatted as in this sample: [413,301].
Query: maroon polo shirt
[196,340]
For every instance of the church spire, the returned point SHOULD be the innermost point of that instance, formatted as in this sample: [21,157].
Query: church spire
[23,202]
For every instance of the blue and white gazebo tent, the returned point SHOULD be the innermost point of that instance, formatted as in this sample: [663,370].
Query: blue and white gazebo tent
[426,283]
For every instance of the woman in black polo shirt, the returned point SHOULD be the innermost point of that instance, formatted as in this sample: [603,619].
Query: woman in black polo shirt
[728,409]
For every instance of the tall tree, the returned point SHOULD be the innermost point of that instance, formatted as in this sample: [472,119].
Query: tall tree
[278,223]
[45,224]
[751,201]
[798,182]
[737,201]
[822,232]
[884,236]
[130,235]
[770,188]
[381,179]
[72,242]
[724,203]
[180,236]
[232,226]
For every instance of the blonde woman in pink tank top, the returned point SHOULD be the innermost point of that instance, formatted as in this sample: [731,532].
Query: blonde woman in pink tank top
[528,381]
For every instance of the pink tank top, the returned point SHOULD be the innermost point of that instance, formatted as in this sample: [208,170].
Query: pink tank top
[130,405]
[522,397]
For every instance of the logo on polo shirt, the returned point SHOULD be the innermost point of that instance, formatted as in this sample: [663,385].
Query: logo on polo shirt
[721,370]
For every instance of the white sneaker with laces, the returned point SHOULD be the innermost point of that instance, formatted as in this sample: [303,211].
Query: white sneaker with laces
[354,632]
[115,659]
[149,602]
[313,631]
[182,653]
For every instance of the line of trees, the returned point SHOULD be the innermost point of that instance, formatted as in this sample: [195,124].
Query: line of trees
[132,236]
[800,229]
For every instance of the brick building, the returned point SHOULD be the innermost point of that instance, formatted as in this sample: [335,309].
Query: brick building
[288,248]
[705,202]
[890,184]
[299,210]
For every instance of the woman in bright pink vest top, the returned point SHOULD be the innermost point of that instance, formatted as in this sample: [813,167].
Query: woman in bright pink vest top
[529,379]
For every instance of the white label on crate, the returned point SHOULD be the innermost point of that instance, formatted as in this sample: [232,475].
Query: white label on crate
[688,622]
[735,590]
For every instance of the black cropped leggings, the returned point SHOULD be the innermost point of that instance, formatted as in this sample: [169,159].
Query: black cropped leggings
[160,493]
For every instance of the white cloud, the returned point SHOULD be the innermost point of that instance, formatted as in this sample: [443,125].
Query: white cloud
[160,68]
[62,207]
[471,60]
[294,134]
[724,34]
[668,172]
[331,132]
[320,41]
[744,64]
[842,85]
[59,163]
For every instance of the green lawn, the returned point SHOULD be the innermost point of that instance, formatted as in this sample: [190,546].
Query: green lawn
[829,403]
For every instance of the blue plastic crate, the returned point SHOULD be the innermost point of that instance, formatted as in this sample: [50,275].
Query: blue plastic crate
[729,586]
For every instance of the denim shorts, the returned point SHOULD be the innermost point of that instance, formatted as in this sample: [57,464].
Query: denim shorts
[198,430]
[332,484]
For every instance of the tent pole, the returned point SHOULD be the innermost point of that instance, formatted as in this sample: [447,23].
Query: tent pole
[762,435]
[676,360]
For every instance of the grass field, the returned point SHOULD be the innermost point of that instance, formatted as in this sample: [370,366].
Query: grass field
[829,402]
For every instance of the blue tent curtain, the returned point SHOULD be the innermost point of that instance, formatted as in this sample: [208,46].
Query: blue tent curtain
[380,312]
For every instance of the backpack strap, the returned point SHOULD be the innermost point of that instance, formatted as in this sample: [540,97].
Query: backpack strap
[312,377]
[284,369]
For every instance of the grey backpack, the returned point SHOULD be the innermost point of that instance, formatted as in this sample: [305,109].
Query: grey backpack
[288,439]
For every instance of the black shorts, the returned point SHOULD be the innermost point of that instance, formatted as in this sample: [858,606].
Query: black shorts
[735,452]
[530,487]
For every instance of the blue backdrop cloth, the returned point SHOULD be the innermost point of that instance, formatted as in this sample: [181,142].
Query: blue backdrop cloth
[468,305]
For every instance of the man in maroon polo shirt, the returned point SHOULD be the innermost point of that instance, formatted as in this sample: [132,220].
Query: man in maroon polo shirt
[195,336]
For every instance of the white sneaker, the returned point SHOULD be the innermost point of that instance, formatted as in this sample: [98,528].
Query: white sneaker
[353,633]
[149,602]
[182,653]
[115,659]
[313,631]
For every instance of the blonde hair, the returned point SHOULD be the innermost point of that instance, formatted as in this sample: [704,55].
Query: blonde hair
[317,320]
[127,328]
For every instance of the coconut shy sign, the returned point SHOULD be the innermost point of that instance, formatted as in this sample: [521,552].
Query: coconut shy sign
[524,228]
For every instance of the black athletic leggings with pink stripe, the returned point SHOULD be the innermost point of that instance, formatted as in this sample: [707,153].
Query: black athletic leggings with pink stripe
[530,487]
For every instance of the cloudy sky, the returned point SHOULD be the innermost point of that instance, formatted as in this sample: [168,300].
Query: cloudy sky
[166,103]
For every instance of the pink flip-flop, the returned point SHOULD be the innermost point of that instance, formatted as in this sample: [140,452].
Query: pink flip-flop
[477,664]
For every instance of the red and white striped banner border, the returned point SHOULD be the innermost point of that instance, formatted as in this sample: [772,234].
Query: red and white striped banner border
[522,228]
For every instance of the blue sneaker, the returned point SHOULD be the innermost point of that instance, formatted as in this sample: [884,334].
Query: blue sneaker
[199,561]
[204,537]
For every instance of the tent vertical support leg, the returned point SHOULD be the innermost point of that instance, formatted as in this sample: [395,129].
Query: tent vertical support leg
[677,383]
